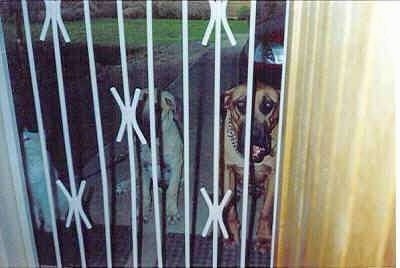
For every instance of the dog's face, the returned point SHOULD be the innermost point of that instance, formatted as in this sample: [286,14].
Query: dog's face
[166,108]
[265,118]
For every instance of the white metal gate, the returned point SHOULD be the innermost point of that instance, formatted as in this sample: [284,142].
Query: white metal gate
[218,23]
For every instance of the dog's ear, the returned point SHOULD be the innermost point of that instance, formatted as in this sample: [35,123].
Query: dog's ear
[170,103]
[144,93]
[258,84]
[178,114]
[228,98]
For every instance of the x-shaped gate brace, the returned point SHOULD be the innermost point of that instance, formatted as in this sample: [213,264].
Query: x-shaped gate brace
[53,15]
[128,115]
[218,12]
[75,204]
[215,212]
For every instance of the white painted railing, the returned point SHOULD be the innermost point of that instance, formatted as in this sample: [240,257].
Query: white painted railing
[247,145]
[218,20]
[279,150]
[153,140]
[39,119]
[53,17]
[186,152]
[99,131]
[127,98]
[218,14]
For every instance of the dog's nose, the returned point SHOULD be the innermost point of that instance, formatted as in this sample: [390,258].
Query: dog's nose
[259,136]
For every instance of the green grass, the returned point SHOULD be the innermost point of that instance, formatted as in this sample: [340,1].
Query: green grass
[165,31]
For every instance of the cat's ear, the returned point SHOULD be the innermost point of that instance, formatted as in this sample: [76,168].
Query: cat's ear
[25,134]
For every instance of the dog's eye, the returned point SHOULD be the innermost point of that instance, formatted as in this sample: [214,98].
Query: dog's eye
[241,105]
[266,106]
[169,102]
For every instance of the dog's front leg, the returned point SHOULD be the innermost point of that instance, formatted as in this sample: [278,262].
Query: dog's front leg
[146,196]
[36,214]
[263,233]
[230,213]
[172,193]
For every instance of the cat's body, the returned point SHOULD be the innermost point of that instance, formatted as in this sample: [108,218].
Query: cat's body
[36,182]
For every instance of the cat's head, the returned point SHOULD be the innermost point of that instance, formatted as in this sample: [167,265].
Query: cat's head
[29,137]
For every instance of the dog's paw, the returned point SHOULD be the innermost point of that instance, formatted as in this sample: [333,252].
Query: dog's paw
[263,235]
[230,242]
[172,210]
[147,213]
[173,218]
[172,213]
[147,217]
[36,214]
[263,245]
[122,187]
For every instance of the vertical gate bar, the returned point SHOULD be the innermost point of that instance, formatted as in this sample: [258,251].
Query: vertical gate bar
[249,114]
[99,131]
[39,118]
[217,104]
[279,156]
[67,140]
[131,149]
[153,141]
[43,145]
[186,155]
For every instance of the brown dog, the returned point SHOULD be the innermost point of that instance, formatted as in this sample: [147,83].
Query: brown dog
[262,164]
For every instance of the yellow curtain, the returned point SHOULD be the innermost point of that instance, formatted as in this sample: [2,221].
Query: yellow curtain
[338,176]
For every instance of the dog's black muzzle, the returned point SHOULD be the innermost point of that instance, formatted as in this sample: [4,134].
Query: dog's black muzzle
[260,142]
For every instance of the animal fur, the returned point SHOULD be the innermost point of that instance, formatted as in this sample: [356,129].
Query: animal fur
[170,157]
[263,141]
[36,183]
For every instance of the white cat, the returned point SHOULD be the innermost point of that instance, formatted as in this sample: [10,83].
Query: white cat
[36,184]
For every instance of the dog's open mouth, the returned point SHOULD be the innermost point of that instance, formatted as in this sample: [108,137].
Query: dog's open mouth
[260,143]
